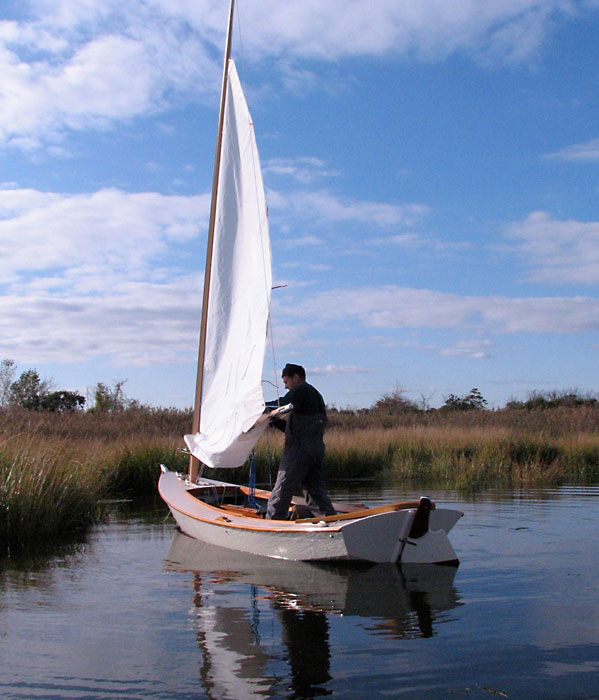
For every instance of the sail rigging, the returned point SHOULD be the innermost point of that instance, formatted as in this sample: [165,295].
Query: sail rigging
[239,296]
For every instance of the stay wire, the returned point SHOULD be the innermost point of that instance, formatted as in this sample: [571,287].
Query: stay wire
[243,81]
[269,332]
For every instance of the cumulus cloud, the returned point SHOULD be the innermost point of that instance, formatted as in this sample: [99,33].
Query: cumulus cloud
[104,272]
[92,75]
[326,207]
[394,307]
[98,274]
[128,325]
[560,252]
[122,231]
[68,64]
[429,29]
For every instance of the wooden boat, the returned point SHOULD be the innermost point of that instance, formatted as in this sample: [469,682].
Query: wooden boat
[229,408]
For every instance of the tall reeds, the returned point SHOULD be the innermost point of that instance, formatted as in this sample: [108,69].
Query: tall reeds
[56,469]
[44,494]
[464,458]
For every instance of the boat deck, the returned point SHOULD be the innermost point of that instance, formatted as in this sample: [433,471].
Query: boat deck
[239,500]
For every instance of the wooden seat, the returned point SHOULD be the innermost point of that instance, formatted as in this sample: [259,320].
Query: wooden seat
[240,510]
[387,508]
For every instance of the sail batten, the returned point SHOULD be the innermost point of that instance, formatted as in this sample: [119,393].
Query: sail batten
[239,297]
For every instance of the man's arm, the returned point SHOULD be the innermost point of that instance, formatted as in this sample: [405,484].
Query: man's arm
[283,401]
[273,414]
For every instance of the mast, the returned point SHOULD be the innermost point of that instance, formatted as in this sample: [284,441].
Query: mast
[193,461]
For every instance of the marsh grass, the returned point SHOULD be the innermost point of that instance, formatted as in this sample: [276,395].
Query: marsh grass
[461,455]
[469,458]
[44,494]
[55,470]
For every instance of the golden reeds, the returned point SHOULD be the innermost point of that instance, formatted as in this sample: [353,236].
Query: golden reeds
[44,493]
[54,469]
[465,457]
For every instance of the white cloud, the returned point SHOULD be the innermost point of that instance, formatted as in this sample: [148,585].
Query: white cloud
[413,240]
[105,274]
[474,349]
[578,152]
[307,266]
[561,252]
[304,241]
[337,369]
[99,274]
[304,170]
[401,307]
[105,79]
[79,65]
[325,207]
[131,323]
[405,240]
[124,232]
[96,74]
[430,29]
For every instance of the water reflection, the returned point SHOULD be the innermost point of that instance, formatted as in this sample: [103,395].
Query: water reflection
[263,623]
[104,620]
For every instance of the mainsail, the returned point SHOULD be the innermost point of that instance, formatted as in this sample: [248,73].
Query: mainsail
[239,297]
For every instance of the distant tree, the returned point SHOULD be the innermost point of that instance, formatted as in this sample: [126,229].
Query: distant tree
[62,402]
[553,399]
[395,402]
[28,390]
[113,398]
[8,370]
[473,401]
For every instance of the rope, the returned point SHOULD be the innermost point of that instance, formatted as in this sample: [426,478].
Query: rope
[252,503]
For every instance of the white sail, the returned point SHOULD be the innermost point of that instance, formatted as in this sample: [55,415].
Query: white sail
[239,299]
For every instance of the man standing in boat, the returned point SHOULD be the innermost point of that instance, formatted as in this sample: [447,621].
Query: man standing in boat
[303,454]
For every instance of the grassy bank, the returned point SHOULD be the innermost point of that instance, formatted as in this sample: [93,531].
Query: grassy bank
[464,458]
[43,493]
[55,470]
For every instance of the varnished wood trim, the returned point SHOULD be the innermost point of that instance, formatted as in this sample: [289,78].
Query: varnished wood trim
[387,508]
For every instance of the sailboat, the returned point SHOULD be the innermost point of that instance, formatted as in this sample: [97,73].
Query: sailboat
[229,413]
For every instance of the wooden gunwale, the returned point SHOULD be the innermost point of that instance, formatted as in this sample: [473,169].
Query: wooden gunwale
[356,514]
[289,525]
[266,526]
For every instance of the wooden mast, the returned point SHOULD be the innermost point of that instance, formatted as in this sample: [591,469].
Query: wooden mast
[194,463]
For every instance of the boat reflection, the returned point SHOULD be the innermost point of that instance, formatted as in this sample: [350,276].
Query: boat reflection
[243,655]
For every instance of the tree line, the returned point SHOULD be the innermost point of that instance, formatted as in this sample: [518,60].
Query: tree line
[29,391]
[396,403]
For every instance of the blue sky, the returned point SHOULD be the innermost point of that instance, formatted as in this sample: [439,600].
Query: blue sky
[432,179]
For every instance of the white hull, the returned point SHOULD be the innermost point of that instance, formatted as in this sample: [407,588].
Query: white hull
[201,512]
[334,589]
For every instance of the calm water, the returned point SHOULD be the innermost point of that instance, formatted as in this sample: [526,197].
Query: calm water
[140,613]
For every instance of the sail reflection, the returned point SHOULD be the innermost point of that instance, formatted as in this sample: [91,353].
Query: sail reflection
[264,626]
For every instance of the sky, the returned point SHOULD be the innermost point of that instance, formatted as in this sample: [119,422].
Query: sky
[431,171]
